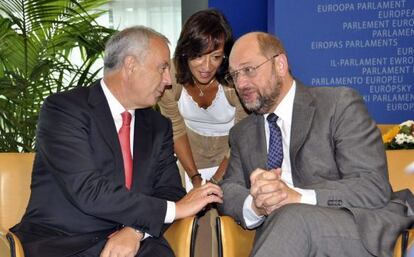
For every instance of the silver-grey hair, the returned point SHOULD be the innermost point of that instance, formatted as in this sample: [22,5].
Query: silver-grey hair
[130,41]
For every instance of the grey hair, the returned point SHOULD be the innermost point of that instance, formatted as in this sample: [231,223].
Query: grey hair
[132,41]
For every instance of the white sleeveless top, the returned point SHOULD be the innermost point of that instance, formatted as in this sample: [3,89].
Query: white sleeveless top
[216,120]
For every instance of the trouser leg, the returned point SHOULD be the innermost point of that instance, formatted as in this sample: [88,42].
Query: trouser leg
[150,247]
[305,230]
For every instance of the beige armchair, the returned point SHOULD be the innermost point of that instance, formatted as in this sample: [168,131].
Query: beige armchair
[15,177]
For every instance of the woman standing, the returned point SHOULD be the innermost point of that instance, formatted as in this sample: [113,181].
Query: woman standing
[202,108]
[200,104]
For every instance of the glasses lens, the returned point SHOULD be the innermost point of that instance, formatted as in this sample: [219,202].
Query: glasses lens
[249,72]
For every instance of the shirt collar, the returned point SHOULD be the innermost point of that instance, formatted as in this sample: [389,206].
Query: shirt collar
[285,108]
[114,105]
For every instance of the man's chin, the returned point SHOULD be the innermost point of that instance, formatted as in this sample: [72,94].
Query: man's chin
[248,101]
[256,107]
[251,106]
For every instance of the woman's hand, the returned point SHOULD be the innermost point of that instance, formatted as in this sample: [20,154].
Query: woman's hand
[220,171]
[196,180]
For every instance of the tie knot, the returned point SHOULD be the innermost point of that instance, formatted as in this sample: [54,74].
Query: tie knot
[126,118]
[272,118]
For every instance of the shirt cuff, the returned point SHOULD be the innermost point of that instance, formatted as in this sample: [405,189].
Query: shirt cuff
[146,235]
[170,215]
[308,195]
[251,219]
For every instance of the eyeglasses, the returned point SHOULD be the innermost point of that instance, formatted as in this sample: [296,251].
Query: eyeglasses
[249,71]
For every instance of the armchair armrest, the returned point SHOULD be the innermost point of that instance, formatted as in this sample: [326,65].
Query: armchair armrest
[233,240]
[181,236]
[10,245]
[4,246]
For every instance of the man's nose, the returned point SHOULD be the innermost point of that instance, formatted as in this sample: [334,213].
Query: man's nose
[166,78]
[168,75]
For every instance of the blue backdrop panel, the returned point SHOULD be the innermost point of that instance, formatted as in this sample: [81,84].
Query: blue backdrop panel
[368,45]
[244,16]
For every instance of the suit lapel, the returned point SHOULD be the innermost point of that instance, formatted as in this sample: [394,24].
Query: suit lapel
[106,125]
[303,113]
[143,148]
[257,139]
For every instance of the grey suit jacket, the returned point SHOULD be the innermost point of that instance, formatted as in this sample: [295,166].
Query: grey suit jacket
[336,150]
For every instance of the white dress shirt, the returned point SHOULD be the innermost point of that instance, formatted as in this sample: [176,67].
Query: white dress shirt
[284,111]
[116,109]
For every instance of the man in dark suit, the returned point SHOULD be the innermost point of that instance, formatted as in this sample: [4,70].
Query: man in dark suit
[96,192]
[313,180]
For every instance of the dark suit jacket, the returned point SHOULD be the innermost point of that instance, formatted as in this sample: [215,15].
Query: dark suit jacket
[335,149]
[78,195]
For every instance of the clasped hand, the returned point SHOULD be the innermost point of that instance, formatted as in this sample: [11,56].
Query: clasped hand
[269,192]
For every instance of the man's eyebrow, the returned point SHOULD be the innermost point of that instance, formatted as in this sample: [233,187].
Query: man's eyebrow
[165,64]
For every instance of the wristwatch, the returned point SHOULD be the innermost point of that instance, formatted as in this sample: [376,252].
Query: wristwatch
[213,180]
[140,233]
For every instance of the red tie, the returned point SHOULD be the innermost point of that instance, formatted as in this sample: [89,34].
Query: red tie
[124,140]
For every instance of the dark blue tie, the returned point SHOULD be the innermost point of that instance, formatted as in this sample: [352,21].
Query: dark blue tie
[275,155]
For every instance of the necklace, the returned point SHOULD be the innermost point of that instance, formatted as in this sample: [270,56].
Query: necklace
[199,88]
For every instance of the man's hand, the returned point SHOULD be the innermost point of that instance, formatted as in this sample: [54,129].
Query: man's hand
[122,243]
[258,179]
[276,195]
[269,192]
[261,177]
[195,200]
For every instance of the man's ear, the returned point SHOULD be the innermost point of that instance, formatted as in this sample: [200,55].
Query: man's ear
[129,64]
[281,65]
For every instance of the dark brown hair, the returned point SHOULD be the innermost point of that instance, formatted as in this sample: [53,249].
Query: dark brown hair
[204,32]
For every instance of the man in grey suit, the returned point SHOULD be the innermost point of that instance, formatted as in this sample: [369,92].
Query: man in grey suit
[330,194]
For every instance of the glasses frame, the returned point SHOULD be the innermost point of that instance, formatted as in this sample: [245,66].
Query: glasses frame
[232,77]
